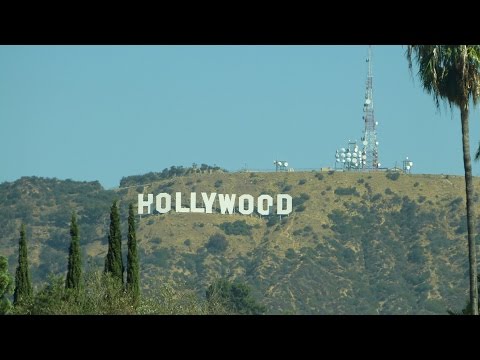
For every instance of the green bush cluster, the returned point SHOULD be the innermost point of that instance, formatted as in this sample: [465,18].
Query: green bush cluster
[217,244]
[239,227]
[343,191]
[393,175]
[167,173]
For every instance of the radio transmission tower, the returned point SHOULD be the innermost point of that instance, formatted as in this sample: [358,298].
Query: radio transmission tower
[369,139]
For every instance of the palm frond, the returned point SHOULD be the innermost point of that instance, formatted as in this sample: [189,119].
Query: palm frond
[477,153]
[449,73]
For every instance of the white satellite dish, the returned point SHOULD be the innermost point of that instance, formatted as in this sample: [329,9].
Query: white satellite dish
[364,157]
[376,142]
[343,160]
[376,123]
[354,160]
[342,155]
[280,163]
[349,155]
[349,160]
[342,150]
[410,164]
[379,165]
[367,102]
[286,164]
[354,155]
[338,160]
[365,142]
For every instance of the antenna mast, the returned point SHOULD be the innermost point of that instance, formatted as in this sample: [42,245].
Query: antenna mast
[369,139]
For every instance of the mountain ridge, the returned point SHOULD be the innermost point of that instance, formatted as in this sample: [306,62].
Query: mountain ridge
[355,242]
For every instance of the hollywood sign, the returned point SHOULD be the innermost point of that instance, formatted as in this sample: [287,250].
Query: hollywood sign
[245,203]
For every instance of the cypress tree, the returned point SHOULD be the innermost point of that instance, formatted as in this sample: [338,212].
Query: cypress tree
[133,278]
[114,261]
[23,287]
[74,273]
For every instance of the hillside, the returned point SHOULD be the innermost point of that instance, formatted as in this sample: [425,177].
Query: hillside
[356,243]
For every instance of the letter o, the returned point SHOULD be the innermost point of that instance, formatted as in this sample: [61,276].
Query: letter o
[241,204]
[168,203]
[260,201]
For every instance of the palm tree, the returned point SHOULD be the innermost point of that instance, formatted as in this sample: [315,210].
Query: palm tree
[451,73]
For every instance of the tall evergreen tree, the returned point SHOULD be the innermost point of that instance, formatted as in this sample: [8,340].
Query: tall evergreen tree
[23,287]
[133,275]
[114,261]
[74,273]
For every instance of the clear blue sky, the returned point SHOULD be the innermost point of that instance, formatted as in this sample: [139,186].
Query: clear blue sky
[103,112]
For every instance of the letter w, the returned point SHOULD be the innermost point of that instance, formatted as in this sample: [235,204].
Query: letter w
[226,203]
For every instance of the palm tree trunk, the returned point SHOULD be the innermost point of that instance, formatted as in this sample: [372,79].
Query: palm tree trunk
[470,210]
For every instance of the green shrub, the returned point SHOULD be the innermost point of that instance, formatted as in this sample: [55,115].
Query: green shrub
[302,182]
[290,254]
[102,295]
[299,200]
[455,203]
[416,255]
[272,220]
[239,227]
[159,257]
[217,244]
[236,297]
[462,226]
[346,191]
[287,188]
[348,255]
[300,208]
[173,171]
[393,175]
